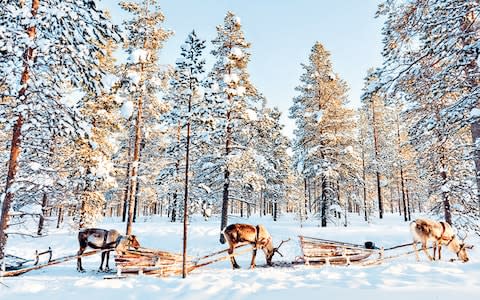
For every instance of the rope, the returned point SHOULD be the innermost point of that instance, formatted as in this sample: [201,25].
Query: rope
[219,252]
[220,258]
[52,262]
[399,246]
[393,256]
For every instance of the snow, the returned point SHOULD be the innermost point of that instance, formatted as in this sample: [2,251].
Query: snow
[138,56]
[475,113]
[236,52]
[72,98]
[400,278]
[252,115]
[35,166]
[127,109]
[237,21]
[108,80]
[134,77]
[231,78]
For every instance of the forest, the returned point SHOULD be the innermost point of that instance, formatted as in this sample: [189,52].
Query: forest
[86,134]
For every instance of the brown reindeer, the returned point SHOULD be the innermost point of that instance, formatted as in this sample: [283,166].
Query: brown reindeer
[424,230]
[103,239]
[257,236]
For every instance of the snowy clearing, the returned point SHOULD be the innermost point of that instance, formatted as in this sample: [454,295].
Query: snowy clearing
[398,278]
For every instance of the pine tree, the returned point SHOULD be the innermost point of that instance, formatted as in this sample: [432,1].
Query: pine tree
[324,134]
[145,38]
[435,44]
[41,50]
[93,156]
[232,94]
[274,164]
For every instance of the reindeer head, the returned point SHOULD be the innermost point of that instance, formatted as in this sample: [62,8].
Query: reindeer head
[264,242]
[461,249]
[269,250]
[132,241]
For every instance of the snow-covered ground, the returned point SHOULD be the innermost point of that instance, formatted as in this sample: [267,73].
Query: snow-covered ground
[400,278]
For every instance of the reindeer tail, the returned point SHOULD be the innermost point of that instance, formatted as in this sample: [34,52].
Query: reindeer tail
[420,226]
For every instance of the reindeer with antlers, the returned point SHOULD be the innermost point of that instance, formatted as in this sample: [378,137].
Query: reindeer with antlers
[424,230]
[257,236]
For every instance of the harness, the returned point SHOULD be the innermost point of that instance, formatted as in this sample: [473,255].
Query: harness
[256,237]
[113,244]
[441,236]
[105,236]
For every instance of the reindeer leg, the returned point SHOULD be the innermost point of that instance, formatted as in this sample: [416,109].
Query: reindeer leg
[424,248]
[232,259]
[254,254]
[439,250]
[79,259]
[107,268]
[435,245]
[416,250]
[100,269]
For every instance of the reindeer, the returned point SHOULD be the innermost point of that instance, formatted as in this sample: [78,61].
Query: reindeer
[103,239]
[424,230]
[257,236]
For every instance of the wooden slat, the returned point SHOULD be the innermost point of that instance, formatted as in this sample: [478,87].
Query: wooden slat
[324,251]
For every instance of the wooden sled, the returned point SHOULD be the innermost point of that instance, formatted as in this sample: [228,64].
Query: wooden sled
[320,251]
[144,261]
[13,262]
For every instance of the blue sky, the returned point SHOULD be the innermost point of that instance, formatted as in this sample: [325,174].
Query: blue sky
[282,33]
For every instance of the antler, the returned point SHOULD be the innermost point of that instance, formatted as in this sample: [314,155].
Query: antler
[463,236]
[276,248]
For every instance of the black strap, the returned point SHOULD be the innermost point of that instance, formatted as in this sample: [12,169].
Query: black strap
[256,238]
[105,239]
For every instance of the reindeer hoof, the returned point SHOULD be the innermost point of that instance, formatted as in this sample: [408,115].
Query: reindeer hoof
[81,270]
[236,267]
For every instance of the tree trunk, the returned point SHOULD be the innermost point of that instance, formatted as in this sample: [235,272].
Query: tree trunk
[377,165]
[407,196]
[305,206]
[127,181]
[404,198]
[137,188]
[309,185]
[226,178]
[16,144]
[275,210]
[473,80]
[185,200]
[475,132]
[60,216]
[174,208]
[41,221]
[224,218]
[445,200]
[364,186]
[324,198]
[136,156]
